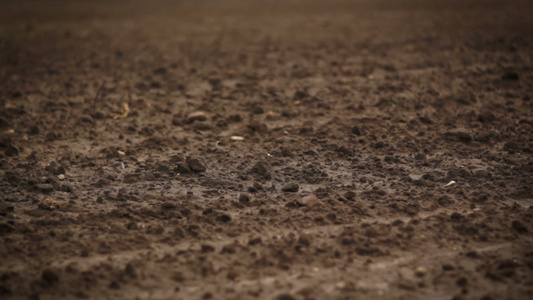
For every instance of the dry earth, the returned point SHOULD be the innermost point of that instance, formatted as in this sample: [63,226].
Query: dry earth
[354,117]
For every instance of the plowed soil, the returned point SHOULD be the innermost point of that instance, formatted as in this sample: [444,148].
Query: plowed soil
[266,150]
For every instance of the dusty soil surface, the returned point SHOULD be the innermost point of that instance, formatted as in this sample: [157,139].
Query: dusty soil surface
[271,150]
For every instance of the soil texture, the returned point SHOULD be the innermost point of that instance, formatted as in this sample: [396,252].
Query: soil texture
[266,149]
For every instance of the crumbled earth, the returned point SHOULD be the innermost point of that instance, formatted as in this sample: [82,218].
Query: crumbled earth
[270,150]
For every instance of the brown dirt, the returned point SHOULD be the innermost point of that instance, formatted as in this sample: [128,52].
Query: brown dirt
[372,107]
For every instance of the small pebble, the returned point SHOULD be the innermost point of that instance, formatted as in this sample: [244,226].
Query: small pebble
[195,165]
[309,200]
[61,177]
[291,188]
[45,188]
[421,271]
[49,204]
[196,116]
[244,198]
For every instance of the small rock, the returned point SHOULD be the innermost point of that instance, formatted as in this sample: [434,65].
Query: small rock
[12,150]
[349,195]
[421,271]
[462,172]
[462,282]
[61,176]
[86,119]
[207,248]
[286,152]
[45,188]
[234,118]
[270,115]
[291,188]
[244,198]
[255,241]
[49,204]
[167,205]
[257,127]
[196,116]
[195,165]
[129,270]
[182,169]
[261,168]
[356,130]
[459,135]
[309,200]
[223,218]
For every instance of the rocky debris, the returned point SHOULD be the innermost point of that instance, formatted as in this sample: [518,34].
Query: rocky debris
[182,168]
[458,135]
[309,201]
[421,271]
[45,188]
[286,152]
[350,195]
[456,173]
[236,118]
[298,95]
[49,204]
[11,150]
[262,168]
[129,271]
[167,205]
[86,119]
[195,165]
[223,218]
[244,198]
[257,127]
[199,116]
[291,188]
[426,120]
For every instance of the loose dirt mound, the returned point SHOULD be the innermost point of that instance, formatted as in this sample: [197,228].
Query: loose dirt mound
[277,150]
